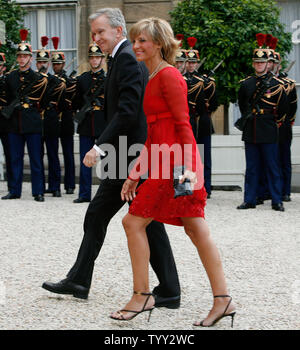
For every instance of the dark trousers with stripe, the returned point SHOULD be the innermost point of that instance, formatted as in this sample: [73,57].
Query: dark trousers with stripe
[286,166]
[34,144]
[85,179]
[5,145]
[256,155]
[67,144]
[206,142]
[54,171]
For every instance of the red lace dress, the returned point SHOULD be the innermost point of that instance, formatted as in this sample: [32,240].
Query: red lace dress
[166,109]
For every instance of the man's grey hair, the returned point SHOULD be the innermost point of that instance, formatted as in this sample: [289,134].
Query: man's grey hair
[114,15]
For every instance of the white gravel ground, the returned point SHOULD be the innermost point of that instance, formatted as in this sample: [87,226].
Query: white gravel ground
[40,241]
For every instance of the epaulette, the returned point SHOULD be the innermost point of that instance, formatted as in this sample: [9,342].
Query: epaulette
[197,77]
[250,76]
[45,75]
[280,81]
[291,80]
[211,78]
[7,73]
[185,78]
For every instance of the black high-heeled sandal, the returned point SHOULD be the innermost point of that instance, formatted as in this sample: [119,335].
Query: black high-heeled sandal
[120,312]
[232,314]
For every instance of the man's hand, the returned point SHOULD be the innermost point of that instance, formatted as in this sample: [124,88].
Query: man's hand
[90,158]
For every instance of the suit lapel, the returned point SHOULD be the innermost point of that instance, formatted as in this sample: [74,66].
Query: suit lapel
[109,80]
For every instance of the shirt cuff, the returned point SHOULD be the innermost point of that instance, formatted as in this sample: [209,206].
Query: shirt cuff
[99,150]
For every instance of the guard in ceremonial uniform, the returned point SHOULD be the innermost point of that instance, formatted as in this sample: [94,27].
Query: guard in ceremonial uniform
[181,58]
[262,97]
[25,89]
[195,84]
[4,123]
[67,123]
[89,101]
[285,131]
[206,128]
[204,102]
[51,119]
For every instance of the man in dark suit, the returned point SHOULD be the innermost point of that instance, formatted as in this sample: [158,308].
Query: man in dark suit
[123,103]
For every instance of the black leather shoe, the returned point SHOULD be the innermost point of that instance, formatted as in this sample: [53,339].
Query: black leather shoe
[278,207]
[70,191]
[259,201]
[39,198]
[48,191]
[168,302]
[286,198]
[208,195]
[67,287]
[80,200]
[56,194]
[10,196]
[246,206]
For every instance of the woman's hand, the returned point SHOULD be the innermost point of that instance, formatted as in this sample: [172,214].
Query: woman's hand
[128,190]
[189,175]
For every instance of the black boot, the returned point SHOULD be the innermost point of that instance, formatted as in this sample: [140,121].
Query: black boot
[246,206]
[39,198]
[10,196]
[278,207]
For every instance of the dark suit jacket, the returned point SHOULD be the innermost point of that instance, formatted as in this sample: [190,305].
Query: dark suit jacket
[123,102]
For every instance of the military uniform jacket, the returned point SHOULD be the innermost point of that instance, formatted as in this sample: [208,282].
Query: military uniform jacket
[285,130]
[26,118]
[67,123]
[51,105]
[263,127]
[196,96]
[94,122]
[4,123]
[211,103]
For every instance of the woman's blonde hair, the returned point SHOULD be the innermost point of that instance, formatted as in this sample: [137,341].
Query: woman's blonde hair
[161,33]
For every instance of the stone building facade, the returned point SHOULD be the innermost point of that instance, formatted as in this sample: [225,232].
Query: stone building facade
[133,11]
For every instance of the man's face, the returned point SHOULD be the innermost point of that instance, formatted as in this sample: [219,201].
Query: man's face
[179,64]
[260,67]
[41,64]
[24,61]
[57,67]
[270,66]
[276,67]
[95,61]
[105,36]
[191,66]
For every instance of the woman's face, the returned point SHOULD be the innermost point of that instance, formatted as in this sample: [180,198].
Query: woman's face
[144,48]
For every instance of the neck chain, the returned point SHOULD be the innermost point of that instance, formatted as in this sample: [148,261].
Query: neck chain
[155,70]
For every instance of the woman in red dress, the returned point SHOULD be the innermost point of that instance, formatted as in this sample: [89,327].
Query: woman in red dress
[170,143]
